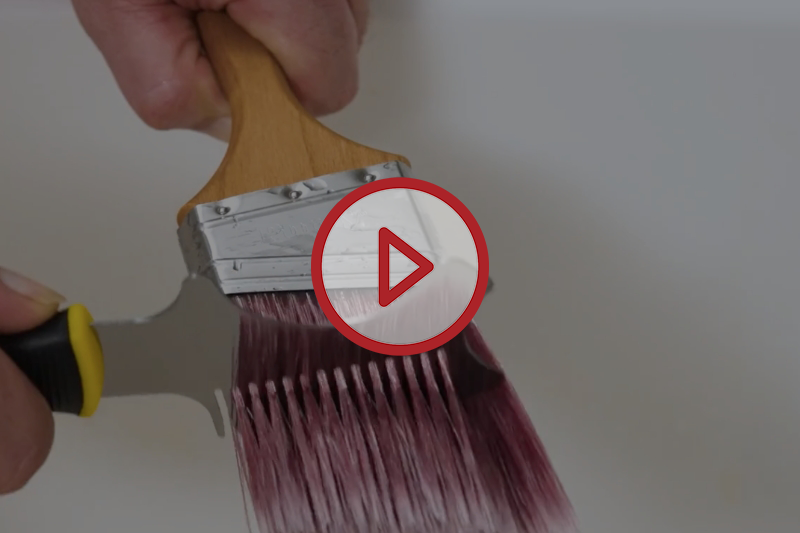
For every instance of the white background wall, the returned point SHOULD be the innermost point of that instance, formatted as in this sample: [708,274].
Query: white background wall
[634,168]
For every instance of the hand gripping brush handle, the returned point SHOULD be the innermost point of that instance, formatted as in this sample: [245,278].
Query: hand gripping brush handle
[282,166]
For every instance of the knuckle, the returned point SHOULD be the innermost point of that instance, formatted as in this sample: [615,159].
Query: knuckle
[162,107]
[336,100]
[348,93]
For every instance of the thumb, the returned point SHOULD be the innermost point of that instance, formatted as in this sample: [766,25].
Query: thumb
[26,422]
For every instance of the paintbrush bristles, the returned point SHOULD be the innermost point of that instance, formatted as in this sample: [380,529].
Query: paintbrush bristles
[375,462]
[332,438]
[367,456]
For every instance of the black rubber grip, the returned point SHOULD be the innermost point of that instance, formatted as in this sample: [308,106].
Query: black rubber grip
[45,355]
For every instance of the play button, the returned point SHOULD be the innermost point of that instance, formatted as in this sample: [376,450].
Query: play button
[386,241]
[399,266]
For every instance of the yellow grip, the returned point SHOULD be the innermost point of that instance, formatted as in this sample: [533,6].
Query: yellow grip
[88,356]
[63,359]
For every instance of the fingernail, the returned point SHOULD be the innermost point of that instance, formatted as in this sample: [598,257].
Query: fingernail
[29,288]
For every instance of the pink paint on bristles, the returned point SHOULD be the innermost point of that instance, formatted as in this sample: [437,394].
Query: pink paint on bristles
[332,438]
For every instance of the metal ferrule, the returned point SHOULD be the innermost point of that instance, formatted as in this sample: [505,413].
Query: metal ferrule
[262,241]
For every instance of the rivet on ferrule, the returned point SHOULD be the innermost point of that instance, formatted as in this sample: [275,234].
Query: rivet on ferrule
[292,193]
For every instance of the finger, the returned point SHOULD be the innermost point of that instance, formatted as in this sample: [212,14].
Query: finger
[154,52]
[26,422]
[360,10]
[315,41]
[24,303]
[26,428]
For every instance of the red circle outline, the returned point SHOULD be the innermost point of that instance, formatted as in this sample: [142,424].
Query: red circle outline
[480,286]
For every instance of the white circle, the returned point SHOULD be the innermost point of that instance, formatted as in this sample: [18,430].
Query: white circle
[350,266]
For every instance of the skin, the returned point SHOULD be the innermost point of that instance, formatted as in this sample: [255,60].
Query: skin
[26,423]
[154,52]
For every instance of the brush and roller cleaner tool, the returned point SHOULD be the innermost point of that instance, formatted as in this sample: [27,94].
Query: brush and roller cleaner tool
[250,230]
[189,349]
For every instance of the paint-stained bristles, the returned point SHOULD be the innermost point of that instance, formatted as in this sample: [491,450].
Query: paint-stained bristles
[332,438]
[381,448]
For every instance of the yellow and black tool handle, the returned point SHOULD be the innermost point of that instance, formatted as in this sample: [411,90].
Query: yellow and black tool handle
[63,359]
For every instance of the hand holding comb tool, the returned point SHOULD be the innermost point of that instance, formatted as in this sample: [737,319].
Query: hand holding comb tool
[329,436]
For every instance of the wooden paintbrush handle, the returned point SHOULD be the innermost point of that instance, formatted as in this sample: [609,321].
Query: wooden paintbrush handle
[274,140]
